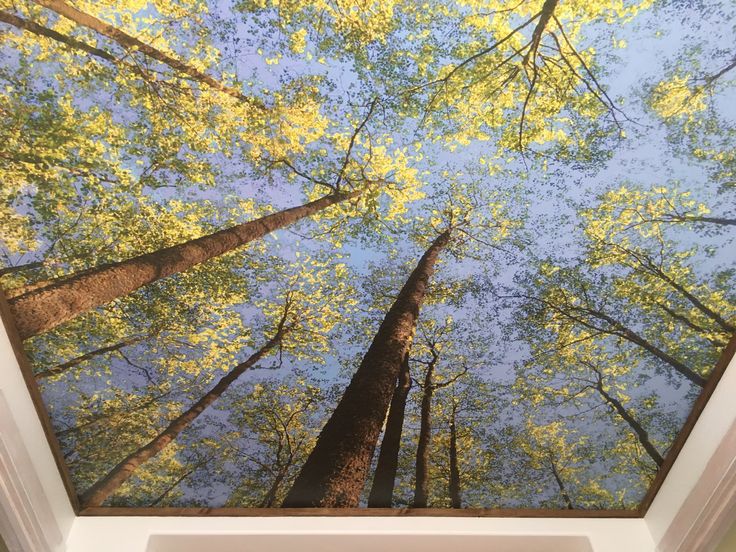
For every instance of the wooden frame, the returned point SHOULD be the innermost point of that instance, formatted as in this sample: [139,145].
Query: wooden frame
[362,512]
[726,356]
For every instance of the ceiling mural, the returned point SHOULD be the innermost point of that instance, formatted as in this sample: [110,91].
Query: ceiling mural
[454,256]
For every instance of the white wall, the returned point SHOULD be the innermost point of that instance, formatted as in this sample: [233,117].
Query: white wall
[33,498]
[606,535]
[716,428]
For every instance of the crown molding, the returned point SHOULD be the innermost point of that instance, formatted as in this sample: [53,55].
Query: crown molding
[26,520]
[710,508]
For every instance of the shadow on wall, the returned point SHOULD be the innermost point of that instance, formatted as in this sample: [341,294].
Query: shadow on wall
[367,543]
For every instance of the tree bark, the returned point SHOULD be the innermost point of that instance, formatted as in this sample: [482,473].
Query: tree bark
[102,489]
[56,370]
[548,10]
[41,310]
[563,492]
[382,490]
[273,490]
[454,483]
[40,30]
[421,467]
[335,472]
[129,42]
[636,427]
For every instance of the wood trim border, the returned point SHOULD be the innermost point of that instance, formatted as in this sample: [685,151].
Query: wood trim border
[725,358]
[361,512]
[35,392]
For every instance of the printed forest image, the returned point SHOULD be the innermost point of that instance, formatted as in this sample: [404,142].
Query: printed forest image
[450,255]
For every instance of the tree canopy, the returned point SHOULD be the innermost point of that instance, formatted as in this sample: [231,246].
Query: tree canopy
[360,253]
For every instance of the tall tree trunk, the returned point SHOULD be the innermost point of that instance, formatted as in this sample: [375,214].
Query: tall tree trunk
[421,468]
[273,490]
[56,370]
[692,325]
[382,490]
[702,307]
[40,30]
[548,10]
[102,489]
[454,483]
[659,353]
[129,42]
[335,472]
[636,427]
[630,335]
[563,491]
[41,310]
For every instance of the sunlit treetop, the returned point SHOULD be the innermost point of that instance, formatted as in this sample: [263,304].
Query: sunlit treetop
[649,212]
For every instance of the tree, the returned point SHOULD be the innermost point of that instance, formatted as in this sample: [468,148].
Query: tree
[662,267]
[637,235]
[432,341]
[569,301]
[453,487]
[559,455]
[44,308]
[190,317]
[585,372]
[298,310]
[646,211]
[468,449]
[64,366]
[40,310]
[384,478]
[194,193]
[335,472]
[102,489]
[685,99]
[131,43]
[511,72]
[276,425]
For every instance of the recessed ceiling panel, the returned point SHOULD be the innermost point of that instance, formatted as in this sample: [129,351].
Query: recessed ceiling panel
[397,257]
